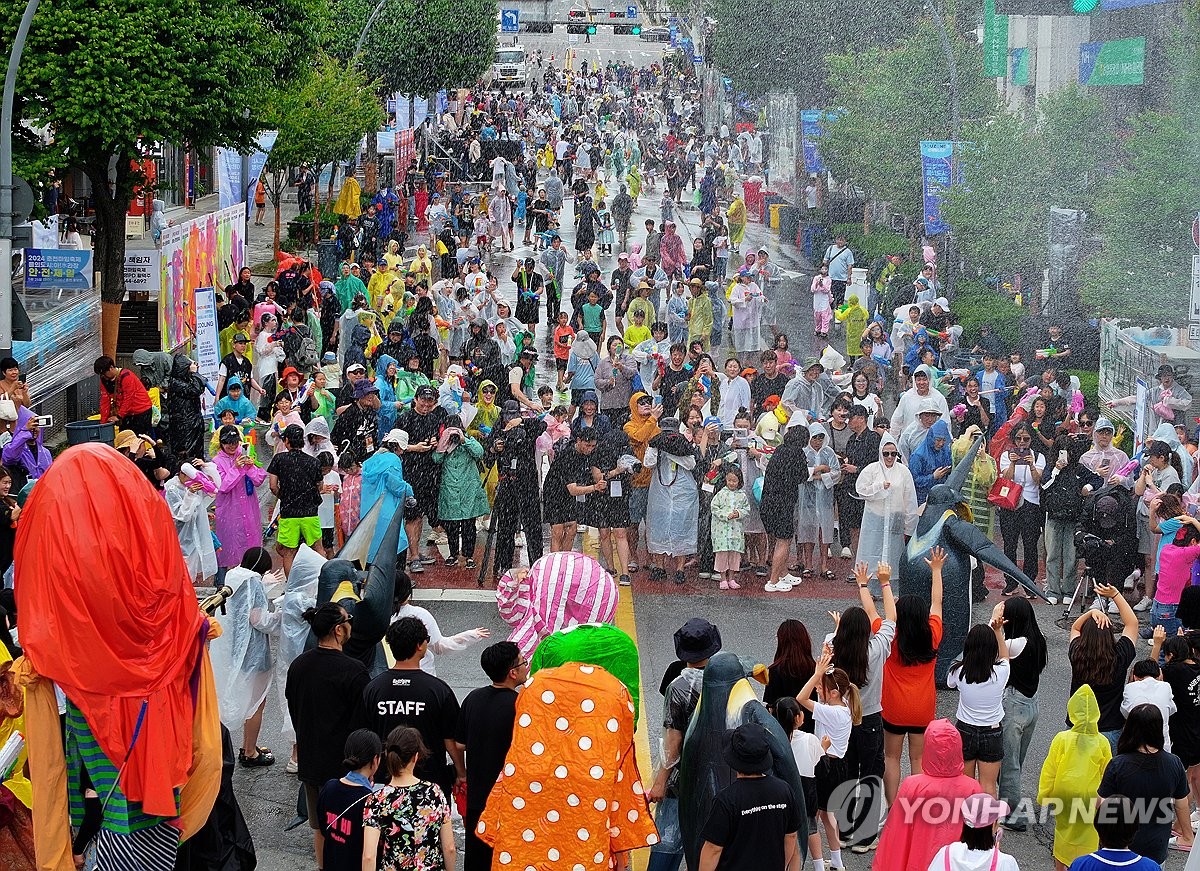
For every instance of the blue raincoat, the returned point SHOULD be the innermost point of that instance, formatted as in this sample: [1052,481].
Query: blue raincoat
[925,460]
[387,398]
[383,479]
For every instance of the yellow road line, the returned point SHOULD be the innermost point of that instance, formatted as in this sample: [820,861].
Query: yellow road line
[641,737]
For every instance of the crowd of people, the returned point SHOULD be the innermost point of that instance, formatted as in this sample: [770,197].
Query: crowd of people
[432,390]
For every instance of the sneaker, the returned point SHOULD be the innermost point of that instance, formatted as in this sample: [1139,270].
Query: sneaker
[861,849]
[1132,579]
[846,553]
[471,564]
[451,562]
[1112,607]
[1010,587]
[416,567]
[1053,600]
[704,576]
[1014,825]
[292,766]
[624,581]
[1144,604]
[632,568]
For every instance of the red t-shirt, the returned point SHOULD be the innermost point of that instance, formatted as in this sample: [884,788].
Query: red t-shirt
[562,349]
[909,693]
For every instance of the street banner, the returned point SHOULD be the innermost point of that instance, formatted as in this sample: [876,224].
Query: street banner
[1116,62]
[143,274]
[936,174]
[1018,61]
[207,347]
[207,251]
[58,269]
[405,150]
[229,169]
[995,41]
[810,133]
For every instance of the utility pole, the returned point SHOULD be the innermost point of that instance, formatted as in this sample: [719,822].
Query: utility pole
[6,179]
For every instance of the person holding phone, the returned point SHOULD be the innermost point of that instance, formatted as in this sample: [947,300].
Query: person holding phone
[1024,523]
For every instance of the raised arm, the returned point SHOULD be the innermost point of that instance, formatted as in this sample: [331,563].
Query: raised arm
[935,561]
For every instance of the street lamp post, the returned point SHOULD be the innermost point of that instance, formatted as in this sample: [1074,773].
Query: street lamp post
[6,178]
[362,37]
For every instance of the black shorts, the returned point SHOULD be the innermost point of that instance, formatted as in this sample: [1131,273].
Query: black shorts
[981,743]
[427,506]
[808,786]
[778,527]
[831,773]
[560,365]
[605,512]
[557,511]
[850,509]
[897,729]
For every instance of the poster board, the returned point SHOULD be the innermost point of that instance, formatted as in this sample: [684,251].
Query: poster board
[207,251]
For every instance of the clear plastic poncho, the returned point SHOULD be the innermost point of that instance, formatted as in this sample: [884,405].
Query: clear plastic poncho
[242,659]
[299,595]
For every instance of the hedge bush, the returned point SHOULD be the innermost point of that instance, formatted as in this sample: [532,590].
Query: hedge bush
[880,242]
[975,304]
[1089,385]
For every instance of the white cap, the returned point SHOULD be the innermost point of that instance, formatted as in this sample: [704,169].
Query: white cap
[943,302]
[928,405]
[396,437]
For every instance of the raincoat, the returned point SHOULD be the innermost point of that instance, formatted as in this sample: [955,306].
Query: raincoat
[243,408]
[1071,773]
[383,479]
[320,428]
[387,396]
[729,535]
[184,389]
[979,481]
[189,510]
[673,501]
[238,520]
[26,449]
[814,507]
[1166,433]
[294,632]
[461,496]
[487,413]
[911,839]
[347,287]
[700,319]
[925,460]
[242,658]
[855,317]
[890,513]
[737,221]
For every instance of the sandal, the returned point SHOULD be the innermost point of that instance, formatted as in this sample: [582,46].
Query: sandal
[632,568]
[807,573]
[828,575]
[262,759]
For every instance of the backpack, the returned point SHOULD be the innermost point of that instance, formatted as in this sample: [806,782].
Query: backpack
[301,349]
[1063,499]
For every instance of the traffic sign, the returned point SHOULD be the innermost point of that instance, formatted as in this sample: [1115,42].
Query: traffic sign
[1194,332]
[1196,231]
[631,12]
[510,20]
[1194,309]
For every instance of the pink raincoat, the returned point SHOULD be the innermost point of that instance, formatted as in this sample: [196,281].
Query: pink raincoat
[239,522]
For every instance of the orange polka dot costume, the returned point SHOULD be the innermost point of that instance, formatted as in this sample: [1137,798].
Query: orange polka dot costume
[570,795]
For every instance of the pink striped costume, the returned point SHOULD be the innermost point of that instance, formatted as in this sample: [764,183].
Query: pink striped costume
[559,590]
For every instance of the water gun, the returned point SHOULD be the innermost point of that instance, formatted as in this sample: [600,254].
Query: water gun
[1046,353]
[1128,469]
[250,441]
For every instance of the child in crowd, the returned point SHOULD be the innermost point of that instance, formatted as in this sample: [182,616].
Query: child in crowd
[593,318]
[351,491]
[822,292]
[284,417]
[720,246]
[331,484]
[729,508]
[637,331]
[1146,687]
[564,335]
[807,749]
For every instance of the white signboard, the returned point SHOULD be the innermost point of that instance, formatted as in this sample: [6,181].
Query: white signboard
[1194,332]
[207,342]
[142,272]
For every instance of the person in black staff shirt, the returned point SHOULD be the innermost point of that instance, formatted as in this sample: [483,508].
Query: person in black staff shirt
[768,382]
[406,696]
[355,372]
[862,449]
[516,504]
[236,363]
[754,820]
[295,478]
[358,426]
[620,284]
[423,423]
[324,692]
[674,378]
[568,482]
[484,731]
[243,288]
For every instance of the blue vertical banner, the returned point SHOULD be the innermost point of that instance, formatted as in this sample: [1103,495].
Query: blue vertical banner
[937,161]
[810,133]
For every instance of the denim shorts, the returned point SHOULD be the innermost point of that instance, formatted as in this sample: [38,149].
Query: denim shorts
[1163,615]
[981,743]
[638,499]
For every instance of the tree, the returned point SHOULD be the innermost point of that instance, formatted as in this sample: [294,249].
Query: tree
[1015,169]
[106,78]
[892,98]
[1145,208]
[415,47]
[770,44]
[321,117]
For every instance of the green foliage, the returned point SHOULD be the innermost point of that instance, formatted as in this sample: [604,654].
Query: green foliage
[975,303]
[879,242]
[893,98]
[1145,208]
[771,44]
[417,47]
[1015,170]
[323,115]
[110,78]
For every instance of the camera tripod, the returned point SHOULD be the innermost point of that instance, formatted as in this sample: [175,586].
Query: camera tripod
[1085,593]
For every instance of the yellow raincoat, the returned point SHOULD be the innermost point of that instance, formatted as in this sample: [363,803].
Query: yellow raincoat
[737,221]
[349,201]
[1071,775]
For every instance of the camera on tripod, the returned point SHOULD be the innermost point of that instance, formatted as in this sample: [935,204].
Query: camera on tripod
[1089,546]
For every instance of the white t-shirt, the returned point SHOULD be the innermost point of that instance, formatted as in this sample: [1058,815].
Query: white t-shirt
[1021,475]
[325,512]
[836,722]
[964,859]
[981,704]
[807,750]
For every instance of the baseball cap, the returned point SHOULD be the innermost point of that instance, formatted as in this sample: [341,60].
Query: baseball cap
[364,388]
[1104,423]
[240,337]
[810,362]
[396,437]
[356,367]
[426,392]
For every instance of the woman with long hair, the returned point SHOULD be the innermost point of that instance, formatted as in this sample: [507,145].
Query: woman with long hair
[786,471]
[1153,779]
[406,824]
[1100,661]
[340,804]
[980,678]
[1027,660]
[909,693]
[793,664]
[1023,464]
